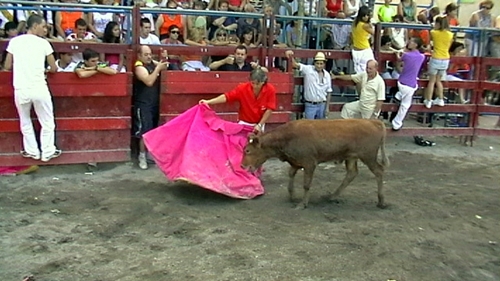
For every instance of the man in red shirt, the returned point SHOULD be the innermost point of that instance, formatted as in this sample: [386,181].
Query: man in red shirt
[257,100]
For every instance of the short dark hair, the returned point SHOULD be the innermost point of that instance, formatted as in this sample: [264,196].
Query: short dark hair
[89,54]
[418,41]
[385,39]
[10,25]
[80,22]
[450,8]
[241,47]
[144,20]
[34,19]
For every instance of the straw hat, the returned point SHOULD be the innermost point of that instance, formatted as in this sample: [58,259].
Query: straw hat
[320,56]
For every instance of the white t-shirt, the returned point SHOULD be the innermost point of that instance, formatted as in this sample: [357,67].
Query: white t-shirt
[101,20]
[150,40]
[29,63]
[69,68]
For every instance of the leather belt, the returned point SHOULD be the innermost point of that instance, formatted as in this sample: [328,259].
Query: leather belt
[315,102]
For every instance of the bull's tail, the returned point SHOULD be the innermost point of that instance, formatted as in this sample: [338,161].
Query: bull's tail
[385,160]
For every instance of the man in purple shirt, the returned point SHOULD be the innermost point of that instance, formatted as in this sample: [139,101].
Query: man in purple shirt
[407,83]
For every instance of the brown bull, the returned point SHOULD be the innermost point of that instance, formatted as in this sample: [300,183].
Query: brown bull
[306,143]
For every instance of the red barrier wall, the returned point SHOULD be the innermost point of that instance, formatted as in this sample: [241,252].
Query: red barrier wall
[92,119]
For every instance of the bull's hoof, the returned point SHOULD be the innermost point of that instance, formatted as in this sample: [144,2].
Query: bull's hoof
[336,200]
[382,206]
[301,206]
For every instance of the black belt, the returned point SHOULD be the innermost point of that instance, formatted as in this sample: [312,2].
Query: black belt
[315,102]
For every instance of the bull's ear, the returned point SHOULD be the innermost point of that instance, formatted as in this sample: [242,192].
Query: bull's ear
[253,139]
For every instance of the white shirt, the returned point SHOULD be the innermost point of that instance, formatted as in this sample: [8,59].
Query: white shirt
[29,61]
[150,40]
[315,88]
[371,90]
[69,68]
[101,20]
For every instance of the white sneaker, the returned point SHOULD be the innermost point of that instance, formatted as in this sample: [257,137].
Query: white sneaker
[438,102]
[56,154]
[428,103]
[143,163]
[27,155]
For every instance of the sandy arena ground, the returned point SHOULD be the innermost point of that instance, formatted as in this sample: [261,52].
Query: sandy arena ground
[122,223]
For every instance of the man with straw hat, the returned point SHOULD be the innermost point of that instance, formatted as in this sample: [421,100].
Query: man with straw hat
[317,86]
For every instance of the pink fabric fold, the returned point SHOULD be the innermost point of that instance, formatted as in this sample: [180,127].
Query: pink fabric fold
[201,148]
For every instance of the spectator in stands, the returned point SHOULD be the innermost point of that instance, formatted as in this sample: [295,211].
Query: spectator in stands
[146,97]
[423,34]
[407,83]
[480,18]
[228,24]
[438,64]
[386,12]
[174,38]
[451,12]
[236,62]
[222,38]
[257,100]
[81,35]
[166,20]
[91,65]
[112,35]
[247,38]
[245,23]
[430,14]
[269,13]
[317,86]
[49,35]
[65,21]
[65,63]
[341,37]
[399,36]
[333,7]
[351,8]
[292,34]
[408,10]
[190,20]
[28,54]
[98,20]
[234,5]
[390,69]
[257,4]
[145,36]
[371,96]
[10,30]
[457,72]
[8,15]
[362,30]
[196,37]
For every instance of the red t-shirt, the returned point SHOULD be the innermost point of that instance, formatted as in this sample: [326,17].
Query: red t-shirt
[252,108]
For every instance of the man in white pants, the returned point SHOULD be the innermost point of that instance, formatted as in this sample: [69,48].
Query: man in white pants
[407,82]
[28,54]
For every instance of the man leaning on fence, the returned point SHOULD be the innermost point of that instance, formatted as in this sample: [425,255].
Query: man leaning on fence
[146,96]
[26,55]
[317,86]
[371,96]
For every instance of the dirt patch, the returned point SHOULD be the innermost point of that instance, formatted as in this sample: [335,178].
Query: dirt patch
[126,224]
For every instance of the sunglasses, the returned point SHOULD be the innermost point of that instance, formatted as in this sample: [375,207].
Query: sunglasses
[174,32]
[222,34]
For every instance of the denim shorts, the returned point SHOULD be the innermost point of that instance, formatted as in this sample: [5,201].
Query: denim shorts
[438,66]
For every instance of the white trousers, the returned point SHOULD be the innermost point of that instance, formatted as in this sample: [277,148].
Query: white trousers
[360,58]
[41,101]
[405,95]
[352,110]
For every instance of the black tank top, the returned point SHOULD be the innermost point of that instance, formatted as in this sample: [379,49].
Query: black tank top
[144,95]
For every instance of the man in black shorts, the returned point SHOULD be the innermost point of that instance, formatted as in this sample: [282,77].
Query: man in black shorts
[146,97]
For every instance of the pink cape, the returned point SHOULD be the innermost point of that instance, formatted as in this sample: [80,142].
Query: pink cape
[200,148]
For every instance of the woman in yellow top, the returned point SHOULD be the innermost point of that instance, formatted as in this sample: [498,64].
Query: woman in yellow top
[441,38]
[362,30]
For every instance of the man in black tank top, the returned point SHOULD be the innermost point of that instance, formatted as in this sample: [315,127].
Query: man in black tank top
[146,97]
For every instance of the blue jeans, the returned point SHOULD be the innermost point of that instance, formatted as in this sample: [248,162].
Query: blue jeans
[314,111]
